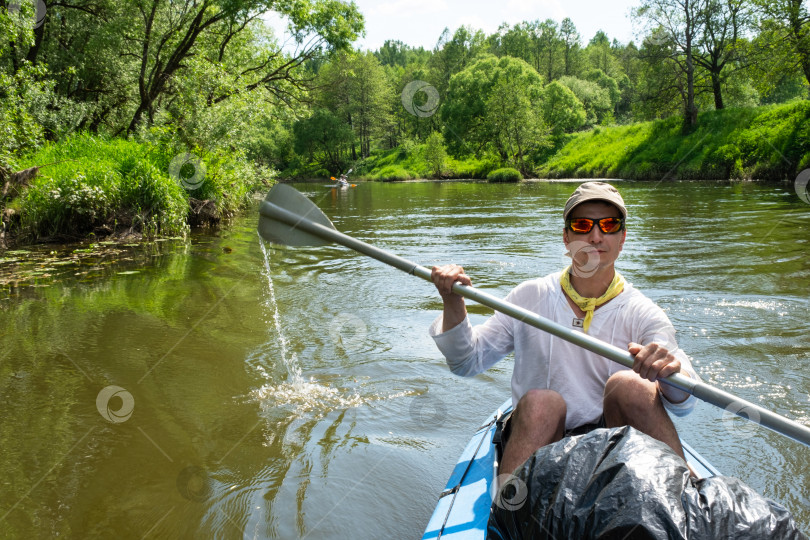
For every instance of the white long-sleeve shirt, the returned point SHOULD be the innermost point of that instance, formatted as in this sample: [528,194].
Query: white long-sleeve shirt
[547,362]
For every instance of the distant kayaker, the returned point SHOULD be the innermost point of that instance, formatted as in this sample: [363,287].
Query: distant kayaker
[559,388]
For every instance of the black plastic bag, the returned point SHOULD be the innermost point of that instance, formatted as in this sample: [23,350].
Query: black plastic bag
[620,483]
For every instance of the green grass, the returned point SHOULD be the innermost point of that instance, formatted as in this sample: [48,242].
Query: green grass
[506,174]
[95,185]
[769,143]
[763,143]
[405,163]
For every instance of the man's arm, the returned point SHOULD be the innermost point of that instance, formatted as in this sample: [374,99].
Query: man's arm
[455,311]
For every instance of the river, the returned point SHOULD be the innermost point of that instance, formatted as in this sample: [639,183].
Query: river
[215,387]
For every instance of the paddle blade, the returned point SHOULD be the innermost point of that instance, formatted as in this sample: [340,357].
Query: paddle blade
[272,226]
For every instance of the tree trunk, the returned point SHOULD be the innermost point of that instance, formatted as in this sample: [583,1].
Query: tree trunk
[717,91]
[33,52]
[806,70]
[691,109]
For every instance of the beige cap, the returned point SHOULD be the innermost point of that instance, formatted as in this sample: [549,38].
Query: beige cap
[595,191]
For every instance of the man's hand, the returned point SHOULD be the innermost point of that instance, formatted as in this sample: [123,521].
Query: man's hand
[454,309]
[652,362]
[445,276]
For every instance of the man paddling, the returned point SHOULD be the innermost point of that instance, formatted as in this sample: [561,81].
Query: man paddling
[559,388]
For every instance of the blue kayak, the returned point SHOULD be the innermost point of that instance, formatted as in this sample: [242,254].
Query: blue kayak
[463,509]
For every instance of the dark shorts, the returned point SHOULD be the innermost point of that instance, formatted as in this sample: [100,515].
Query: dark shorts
[504,429]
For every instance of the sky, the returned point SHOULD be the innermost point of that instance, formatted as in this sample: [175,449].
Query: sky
[420,22]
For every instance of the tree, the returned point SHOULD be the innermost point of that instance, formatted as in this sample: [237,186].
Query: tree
[325,139]
[595,99]
[435,154]
[788,21]
[119,63]
[397,53]
[514,118]
[515,42]
[677,22]
[493,106]
[600,53]
[454,53]
[355,88]
[571,47]
[561,109]
[547,43]
[370,100]
[723,23]
[166,34]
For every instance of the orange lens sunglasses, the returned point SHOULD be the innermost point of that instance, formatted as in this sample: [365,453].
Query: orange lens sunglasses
[608,225]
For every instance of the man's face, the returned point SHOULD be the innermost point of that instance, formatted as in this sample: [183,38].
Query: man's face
[594,250]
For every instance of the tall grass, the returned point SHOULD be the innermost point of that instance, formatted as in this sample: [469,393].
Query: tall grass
[763,143]
[409,162]
[91,184]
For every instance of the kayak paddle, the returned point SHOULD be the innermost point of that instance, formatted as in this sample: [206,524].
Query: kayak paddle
[288,217]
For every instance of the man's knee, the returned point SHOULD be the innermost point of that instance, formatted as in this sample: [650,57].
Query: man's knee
[627,391]
[538,405]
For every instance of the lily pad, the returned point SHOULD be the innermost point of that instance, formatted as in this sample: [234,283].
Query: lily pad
[129,272]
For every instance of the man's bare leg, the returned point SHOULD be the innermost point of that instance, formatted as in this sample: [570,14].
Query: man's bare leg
[538,420]
[630,400]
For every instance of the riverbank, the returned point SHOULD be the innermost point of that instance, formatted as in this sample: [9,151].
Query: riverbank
[88,187]
[769,143]
[91,187]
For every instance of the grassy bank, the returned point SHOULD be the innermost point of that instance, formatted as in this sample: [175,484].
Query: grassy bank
[762,143]
[408,162]
[99,187]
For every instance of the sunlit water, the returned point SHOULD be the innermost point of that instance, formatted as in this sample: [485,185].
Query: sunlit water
[295,393]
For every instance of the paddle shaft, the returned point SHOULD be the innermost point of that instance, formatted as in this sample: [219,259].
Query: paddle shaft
[701,390]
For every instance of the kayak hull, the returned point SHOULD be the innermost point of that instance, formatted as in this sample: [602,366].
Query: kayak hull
[462,511]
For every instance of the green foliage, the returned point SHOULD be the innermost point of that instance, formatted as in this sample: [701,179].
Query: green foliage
[492,106]
[561,109]
[325,139]
[397,165]
[391,173]
[354,88]
[595,99]
[765,143]
[94,184]
[435,154]
[19,130]
[506,174]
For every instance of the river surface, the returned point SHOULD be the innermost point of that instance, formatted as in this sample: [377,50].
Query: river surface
[217,387]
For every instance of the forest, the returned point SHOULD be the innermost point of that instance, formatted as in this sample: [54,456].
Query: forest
[153,115]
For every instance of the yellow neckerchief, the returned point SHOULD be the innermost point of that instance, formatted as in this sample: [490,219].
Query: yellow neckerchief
[589,304]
